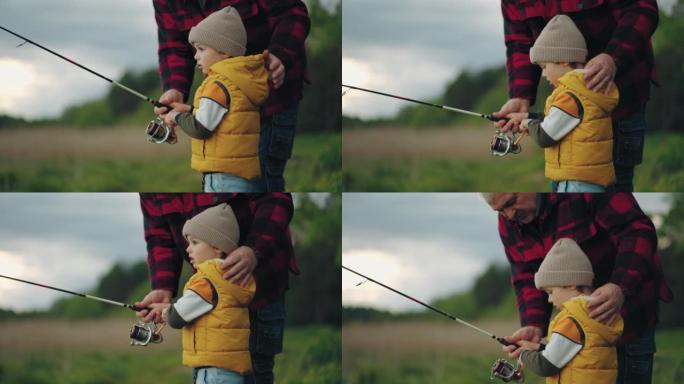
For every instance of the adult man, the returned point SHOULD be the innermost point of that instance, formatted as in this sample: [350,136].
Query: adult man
[265,250]
[276,27]
[618,36]
[621,243]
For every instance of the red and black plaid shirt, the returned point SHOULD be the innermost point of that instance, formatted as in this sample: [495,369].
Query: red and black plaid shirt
[620,28]
[611,229]
[264,227]
[281,26]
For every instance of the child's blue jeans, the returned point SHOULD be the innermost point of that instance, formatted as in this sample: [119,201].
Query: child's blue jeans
[213,375]
[225,182]
[575,186]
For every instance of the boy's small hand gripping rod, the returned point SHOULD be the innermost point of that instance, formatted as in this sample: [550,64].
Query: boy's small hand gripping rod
[501,340]
[130,306]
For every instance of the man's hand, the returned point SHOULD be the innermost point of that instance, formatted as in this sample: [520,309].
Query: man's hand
[239,265]
[529,333]
[169,97]
[514,105]
[156,296]
[514,120]
[600,72]
[605,303]
[275,68]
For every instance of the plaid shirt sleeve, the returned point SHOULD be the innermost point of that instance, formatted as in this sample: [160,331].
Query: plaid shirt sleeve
[533,307]
[637,20]
[176,63]
[289,23]
[270,229]
[523,76]
[163,257]
[633,234]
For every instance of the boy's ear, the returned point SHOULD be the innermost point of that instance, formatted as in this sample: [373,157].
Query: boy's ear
[219,253]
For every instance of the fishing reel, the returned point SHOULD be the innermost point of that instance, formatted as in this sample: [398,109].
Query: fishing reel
[503,144]
[158,132]
[505,371]
[143,334]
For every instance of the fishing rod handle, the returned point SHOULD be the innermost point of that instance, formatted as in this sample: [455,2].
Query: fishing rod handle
[506,343]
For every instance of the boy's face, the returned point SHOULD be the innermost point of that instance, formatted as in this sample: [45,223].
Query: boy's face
[207,56]
[559,295]
[553,71]
[201,251]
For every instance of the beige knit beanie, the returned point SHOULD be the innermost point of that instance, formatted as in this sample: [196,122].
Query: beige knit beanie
[565,265]
[559,42]
[223,31]
[217,226]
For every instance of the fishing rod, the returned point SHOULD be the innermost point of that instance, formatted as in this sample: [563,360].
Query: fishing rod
[141,334]
[501,340]
[130,306]
[501,369]
[453,109]
[500,145]
[156,130]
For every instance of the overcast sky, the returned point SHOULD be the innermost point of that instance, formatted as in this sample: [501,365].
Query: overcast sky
[414,48]
[107,36]
[67,240]
[426,245]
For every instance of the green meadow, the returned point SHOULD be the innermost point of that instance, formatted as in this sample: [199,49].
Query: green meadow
[311,355]
[120,159]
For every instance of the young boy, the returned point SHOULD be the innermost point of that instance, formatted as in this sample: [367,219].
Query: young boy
[579,349]
[225,123]
[213,311]
[575,128]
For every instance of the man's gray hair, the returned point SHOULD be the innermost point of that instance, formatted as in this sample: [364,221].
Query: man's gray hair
[488,197]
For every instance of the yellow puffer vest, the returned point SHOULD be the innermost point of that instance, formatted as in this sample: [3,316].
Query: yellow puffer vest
[234,146]
[597,362]
[586,153]
[220,338]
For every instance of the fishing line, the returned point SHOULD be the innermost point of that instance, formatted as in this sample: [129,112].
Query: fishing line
[130,306]
[501,340]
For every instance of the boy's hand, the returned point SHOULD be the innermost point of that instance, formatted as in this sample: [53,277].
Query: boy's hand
[275,68]
[155,296]
[239,265]
[181,107]
[169,97]
[162,308]
[514,120]
[170,118]
[512,106]
[529,333]
[528,345]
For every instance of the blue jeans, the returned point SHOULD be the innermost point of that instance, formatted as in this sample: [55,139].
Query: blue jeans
[225,182]
[265,340]
[635,360]
[213,375]
[628,148]
[575,186]
[275,147]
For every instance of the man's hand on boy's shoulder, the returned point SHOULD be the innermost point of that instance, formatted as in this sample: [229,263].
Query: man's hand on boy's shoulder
[600,72]
[239,265]
[605,303]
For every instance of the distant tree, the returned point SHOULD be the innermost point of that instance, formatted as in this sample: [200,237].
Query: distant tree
[672,230]
[315,295]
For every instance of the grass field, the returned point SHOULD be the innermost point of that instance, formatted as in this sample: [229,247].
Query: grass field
[120,159]
[438,352]
[97,351]
[458,159]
